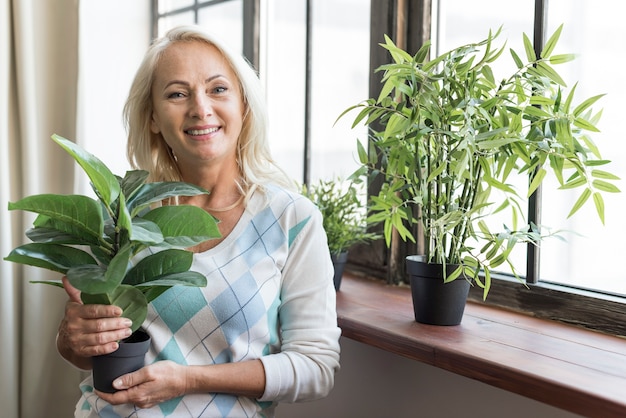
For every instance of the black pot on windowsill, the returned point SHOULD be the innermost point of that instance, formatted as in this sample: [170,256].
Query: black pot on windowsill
[436,302]
[339,263]
[129,357]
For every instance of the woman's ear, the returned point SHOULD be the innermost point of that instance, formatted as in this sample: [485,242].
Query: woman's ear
[154,126]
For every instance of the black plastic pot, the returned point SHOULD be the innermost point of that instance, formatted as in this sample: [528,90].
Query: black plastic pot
[128,358]
[339,263]
[436,302]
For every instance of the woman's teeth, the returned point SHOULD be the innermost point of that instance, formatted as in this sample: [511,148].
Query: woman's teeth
[201,131]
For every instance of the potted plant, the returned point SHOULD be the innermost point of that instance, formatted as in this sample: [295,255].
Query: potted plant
[450,137]
[344,219]
[98,243]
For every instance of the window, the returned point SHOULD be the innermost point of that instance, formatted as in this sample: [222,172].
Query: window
[296,38]
[316,58]
[588,28]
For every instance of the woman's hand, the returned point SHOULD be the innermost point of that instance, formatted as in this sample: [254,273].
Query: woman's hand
[89,330]
[149,386]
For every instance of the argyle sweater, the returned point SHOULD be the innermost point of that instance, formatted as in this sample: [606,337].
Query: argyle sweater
[269,296]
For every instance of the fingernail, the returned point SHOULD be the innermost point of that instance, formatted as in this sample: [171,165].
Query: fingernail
[117,384]
[127,322]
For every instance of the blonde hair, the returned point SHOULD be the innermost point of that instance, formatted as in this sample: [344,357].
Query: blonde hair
[148,151]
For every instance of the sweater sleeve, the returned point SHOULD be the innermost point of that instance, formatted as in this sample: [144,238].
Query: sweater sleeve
[305,367]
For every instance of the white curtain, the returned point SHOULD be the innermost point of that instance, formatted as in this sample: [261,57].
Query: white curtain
[38,82]
[41,93]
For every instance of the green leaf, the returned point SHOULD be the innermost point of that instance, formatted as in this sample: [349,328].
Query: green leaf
[586,104]
[561,58]
[96,279]
[537,179]
[146,232]
[580,202]
[79,215]
[124,222]
[53,257]
[184,225]
[53,231]
[104,182]
[516,58]
[362,152]
[605,186]
[576,182]
[159,264]
[185,278]
[549,72]
[600,174]
[599,202]
[551,43]
[585,124]
[132,301]
[132,180]
[528,47]
[156,192]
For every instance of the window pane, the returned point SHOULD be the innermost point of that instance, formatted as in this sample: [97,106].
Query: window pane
[283,71]
[169,5]
[461,22]
[340,64]
[592,30]
[167,23]
[226,21]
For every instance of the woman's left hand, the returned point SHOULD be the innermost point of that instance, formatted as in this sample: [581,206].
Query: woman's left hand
[149,386]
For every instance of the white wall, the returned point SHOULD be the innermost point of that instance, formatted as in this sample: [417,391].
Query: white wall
[374,383]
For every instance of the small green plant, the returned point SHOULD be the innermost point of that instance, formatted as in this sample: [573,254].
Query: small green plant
[446,133]
[98,243]
[343,213]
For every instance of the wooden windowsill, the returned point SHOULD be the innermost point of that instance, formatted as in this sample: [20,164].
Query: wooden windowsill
[571,368]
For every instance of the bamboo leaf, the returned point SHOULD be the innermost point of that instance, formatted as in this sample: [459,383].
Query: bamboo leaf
[561,59]
[599,202]
[600,174]
[580,202]
[586,104]
[605,186]
[546,70]
[530,50]
[584,124]
[537,180]
[551,43]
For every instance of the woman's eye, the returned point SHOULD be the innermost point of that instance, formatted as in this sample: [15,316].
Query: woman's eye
[175,95]
[220,89]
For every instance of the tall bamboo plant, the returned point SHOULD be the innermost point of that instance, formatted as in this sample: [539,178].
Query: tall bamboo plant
[452,134]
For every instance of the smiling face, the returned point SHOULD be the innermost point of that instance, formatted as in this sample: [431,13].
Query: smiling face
[198,106]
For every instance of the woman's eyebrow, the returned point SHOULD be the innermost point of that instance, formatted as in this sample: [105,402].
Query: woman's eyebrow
[185,83]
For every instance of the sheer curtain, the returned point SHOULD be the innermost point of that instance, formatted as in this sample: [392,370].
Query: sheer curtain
[41,93]
[38,79]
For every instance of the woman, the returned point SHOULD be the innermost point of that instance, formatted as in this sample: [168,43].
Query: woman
[264,329]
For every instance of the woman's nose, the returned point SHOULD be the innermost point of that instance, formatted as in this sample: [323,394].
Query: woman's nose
[201,106]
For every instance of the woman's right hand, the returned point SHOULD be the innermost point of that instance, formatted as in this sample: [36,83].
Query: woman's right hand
[89,330]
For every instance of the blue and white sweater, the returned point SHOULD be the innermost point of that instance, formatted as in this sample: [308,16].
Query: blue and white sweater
[269,296]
